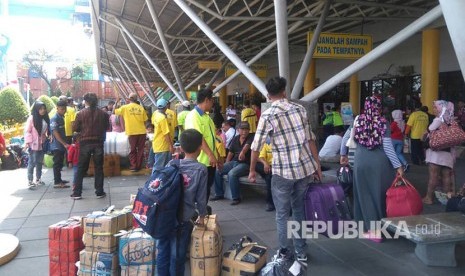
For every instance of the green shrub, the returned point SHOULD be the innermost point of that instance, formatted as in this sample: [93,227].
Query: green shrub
[13,107]
[48,102]
[54,99]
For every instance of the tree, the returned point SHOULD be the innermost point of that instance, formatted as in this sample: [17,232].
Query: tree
[13,107]
[35,61]
[48,102]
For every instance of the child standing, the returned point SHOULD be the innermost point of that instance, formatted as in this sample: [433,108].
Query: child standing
[172,249]
[73,156]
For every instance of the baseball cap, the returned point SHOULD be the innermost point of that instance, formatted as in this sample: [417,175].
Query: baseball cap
[161,103]
[244,125]
[186,103]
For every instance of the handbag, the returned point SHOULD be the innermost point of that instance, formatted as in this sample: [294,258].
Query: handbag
[351,142]
[446,136]
[345,179]
[402,199]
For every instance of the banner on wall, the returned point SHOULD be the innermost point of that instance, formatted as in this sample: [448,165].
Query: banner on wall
[260,70]
[347,113]
[207,64]
[341,46]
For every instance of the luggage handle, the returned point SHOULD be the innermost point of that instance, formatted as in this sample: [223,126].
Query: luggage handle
[399,180]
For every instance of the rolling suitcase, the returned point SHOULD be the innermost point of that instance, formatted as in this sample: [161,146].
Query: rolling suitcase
[327,203]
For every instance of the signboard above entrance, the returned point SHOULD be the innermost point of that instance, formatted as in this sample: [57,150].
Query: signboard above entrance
[341,46]
[259,69]
[213,65]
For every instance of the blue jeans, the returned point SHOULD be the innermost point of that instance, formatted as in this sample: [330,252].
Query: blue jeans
[260,168]
[171,256]
[75,170]
[151,160]
[289,194]
[161,159]
[399,148]
[36,160]
[234,170]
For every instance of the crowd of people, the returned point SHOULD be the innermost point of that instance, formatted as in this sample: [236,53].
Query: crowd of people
[279,144]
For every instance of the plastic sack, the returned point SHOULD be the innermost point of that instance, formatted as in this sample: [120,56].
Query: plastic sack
[283,267]
[117,143]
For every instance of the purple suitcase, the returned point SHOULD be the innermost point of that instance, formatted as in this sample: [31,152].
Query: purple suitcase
[326,202]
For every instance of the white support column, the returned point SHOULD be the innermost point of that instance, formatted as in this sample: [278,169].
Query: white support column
[299,82]
[149,92]
[383,48]
[149,59]
[255,58]
[132,73]
[223,47]
[453,13]
[166,47]
[280,10]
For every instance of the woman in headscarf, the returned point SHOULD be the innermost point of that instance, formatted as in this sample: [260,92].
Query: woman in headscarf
[35,134]
[397,136]
[374,166]
[440,162]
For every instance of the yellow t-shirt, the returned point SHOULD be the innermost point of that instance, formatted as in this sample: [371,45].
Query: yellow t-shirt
[418,121]
[266,153]
[204,124]
[172,121]
[70,117]
[220,146]
[248,115]
[160,126]
[134,116]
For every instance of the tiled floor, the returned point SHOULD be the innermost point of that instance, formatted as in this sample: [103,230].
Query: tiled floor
[27,214]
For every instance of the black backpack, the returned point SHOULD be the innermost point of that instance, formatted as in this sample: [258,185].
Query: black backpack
[10,160]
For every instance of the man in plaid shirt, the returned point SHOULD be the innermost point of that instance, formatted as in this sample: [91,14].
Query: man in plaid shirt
[295,159]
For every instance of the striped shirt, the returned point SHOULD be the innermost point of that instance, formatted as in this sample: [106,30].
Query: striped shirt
[287,125]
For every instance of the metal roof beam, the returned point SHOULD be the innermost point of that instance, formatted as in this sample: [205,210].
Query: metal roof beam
[382,5]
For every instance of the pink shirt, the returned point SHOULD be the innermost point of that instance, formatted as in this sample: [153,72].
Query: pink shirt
[32,137]
[116,127]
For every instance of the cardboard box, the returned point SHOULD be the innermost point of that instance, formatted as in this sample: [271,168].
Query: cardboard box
[206,248]
[246,260]
[105,224]
[137,248]
[141,270]
[65,243]
[100,243]
[98,263]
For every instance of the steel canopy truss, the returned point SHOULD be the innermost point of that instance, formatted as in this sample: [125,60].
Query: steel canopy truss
[148,33]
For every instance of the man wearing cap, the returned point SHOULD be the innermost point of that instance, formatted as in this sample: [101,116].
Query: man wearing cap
[199,119]
[237,164]
[186,107]
[134,116]
[162,144]
[248,115]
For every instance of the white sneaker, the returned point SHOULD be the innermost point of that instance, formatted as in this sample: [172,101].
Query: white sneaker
[302,258]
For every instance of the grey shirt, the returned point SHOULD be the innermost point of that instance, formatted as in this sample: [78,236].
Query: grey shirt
[195,187]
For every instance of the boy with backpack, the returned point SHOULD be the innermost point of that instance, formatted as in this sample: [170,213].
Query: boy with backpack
[172,248]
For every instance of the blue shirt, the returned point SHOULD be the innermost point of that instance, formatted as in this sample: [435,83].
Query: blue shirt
[57,123]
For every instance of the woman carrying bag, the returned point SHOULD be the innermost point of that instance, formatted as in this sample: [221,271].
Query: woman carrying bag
[374,166]
[440,162]
[35,136]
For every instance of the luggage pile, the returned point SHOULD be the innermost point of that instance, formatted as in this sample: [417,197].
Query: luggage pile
[100,256]
[65,243]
